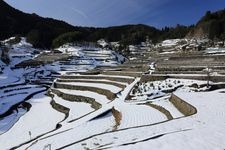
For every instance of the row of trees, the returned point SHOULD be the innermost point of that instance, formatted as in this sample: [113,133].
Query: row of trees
[40,31]
[47,33]
[126,35]
[67,38]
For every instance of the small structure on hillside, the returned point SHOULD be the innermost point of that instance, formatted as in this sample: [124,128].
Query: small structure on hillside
[102,43]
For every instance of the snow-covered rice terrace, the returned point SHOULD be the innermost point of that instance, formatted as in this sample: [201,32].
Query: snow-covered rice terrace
[89,100]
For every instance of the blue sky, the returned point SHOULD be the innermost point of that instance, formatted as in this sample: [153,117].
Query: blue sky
[103,13]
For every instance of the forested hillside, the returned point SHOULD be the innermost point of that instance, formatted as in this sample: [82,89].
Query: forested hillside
[40,31]
[50,33]
[212,26]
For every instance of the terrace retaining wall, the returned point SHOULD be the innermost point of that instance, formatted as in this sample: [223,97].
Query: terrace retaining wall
[184,107]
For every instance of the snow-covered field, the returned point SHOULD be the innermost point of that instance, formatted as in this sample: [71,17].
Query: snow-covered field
[77,109]
[170,43]
[39,120]
[193,132]
[215,50]
[137,115]
[112,88]
[102,99]
[102,111]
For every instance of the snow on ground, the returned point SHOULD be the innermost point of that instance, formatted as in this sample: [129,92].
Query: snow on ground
[112,88]
[86,129]
[7,100]
[7,122]
[87,58]
[102,99]
[20,52]
[206,131]
[93,53]
[151,68]
[5,79]
[165,103]
[140,126]
[136,115]
[101,75]
[102,42]
[171,42]
[197,132]
[77,110]
[8,77]
[75,51]
[215,50]
[40,119]
[85,126]
[152,90]
[96,80]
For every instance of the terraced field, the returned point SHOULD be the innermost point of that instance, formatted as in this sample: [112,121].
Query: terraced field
[97,104]
[13,100]
[24,85]
[94,102]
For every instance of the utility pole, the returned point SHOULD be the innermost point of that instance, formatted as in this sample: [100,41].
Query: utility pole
[30,134]
[208,72]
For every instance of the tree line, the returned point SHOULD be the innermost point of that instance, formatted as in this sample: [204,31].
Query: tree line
[51,33]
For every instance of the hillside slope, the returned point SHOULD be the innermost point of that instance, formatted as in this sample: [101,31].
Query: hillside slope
[15,22]
[212,26]
[42,31]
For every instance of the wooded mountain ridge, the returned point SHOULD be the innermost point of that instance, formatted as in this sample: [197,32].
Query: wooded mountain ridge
[48,33]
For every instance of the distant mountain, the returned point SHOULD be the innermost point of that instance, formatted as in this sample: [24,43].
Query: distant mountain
[41,32]
[126,33]
[15,22]
[211,26]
